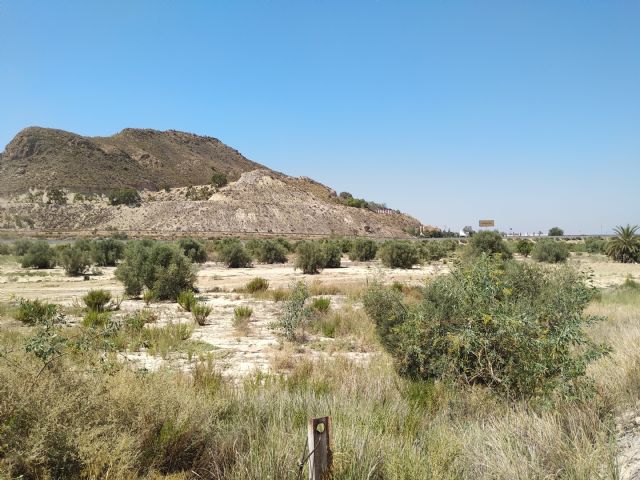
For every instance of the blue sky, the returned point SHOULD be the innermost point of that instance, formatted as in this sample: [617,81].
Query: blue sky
[525,112]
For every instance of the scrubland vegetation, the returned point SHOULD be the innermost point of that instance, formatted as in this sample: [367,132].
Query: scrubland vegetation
[502,369]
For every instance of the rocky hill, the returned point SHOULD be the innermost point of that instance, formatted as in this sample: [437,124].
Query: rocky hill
[142,159]
[171,170]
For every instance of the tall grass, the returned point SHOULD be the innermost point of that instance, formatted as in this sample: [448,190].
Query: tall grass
[91,417]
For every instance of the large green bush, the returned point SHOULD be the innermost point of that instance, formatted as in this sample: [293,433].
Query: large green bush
[332,251]
[514,327]
[75,260]
[524,247]
[310,257]
[38,255]
[193,250]
[233,254]
[556,232]
[21,247]
[550,251]
[267,251]
[160,267]
[363,250]
[399,254]
[106,253]
[489,242]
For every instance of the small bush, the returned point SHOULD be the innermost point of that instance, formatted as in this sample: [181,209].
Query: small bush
[524,247]
[432,251]
[97,300]
[219,179]
[57,197]
[257,285]
[332,254]
[363,250]
[38,255]
[234,255]
[193,250]
[74,260]
[320,305]
[489,242]
[125,196]
[200,312]
[595,245]
[397,254]
[148,296]
[241,317]
[242,312]
[295,315]
[136,321]
[187,300]
[309,257]
[34,312]
[550,251]
[95,319]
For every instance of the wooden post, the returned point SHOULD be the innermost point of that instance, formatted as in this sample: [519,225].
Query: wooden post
[320,448]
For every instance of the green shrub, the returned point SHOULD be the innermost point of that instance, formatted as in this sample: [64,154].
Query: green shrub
[489,242]
[74,260]
[556,232]
[267,251]
[136,321]
[200,312]
[332,254]
[295,315]
[234,255]
[193,250]
[21,247]
[242,312]
[57,197]
[320,305]
[148,296]
[219,179]
[399,254]
[432,250]
[595,245]
[106,253]
[309,257]
[95,319]
[363,250]
[125,196]
[550,251]
[5,249]
[514,327]
[160,267]
[34,312]
[97,300]
[524,247]
[187,300]
[257,285]
[38,255]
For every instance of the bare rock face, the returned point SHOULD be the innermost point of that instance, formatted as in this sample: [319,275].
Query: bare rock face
[165,166]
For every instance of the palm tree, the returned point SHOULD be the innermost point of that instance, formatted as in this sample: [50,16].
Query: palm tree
[625,246]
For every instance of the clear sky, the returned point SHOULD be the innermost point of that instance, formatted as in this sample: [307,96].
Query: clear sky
[527,112]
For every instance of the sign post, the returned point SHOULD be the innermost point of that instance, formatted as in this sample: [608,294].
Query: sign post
[486,223]
[320,456]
